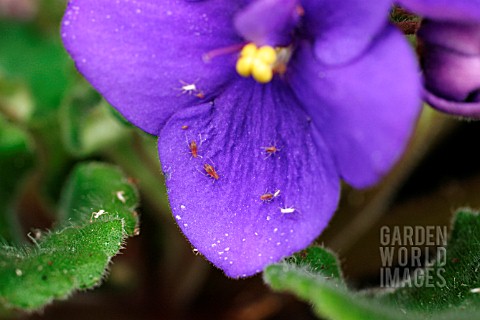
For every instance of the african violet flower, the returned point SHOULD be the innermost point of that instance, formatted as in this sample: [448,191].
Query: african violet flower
[449,40]
[253,139]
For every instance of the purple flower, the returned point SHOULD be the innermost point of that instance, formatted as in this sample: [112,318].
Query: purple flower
[252,163]
[449,40]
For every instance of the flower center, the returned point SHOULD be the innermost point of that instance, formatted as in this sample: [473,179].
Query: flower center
[261,63]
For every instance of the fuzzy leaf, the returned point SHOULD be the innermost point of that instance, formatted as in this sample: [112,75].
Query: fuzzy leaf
[76,255]
[457,299]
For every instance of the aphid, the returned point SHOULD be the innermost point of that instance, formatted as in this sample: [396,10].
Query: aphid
[300,10]
[184,127]
[270,150]
[189,88]
[287,210]
[193,148]
[267,196]
[211,171]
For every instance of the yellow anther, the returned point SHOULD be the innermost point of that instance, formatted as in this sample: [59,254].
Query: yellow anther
[262,72]
[249,50]
[267,54]
[257,62]
[244,66]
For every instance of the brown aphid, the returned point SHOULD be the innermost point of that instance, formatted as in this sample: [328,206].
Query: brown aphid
[184,127]
[266,197]
[200,95]
[300,10]
[270,151]
[193,148]
[211,171]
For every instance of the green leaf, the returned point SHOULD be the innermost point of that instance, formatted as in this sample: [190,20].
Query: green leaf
[457,298]
[94,187]
[38,58]
[15,100]
[312,277]
[460,271]
[16,159]
[97,219]
[87,123]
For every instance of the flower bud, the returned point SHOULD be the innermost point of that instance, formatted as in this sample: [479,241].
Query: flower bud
[450,59]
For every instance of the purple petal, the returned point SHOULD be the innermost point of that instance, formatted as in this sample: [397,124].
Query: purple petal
[464,109]
[450,58]
[460,10]
[225,219]
[456,36]
[268,22]
[451,74]
[365,110]
[344,29]
[139,54]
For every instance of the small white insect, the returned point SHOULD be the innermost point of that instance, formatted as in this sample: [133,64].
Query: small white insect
[287,210]
[120,196]
[276,193]
[189,88]
[475,290]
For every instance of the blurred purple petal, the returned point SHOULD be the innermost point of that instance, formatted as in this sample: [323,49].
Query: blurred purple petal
[268,22]
[365,110]
[450,59]
[139,54]
[343,30]
[225,219]
[456,36]
[460,10]
[463,109]
[451,74]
